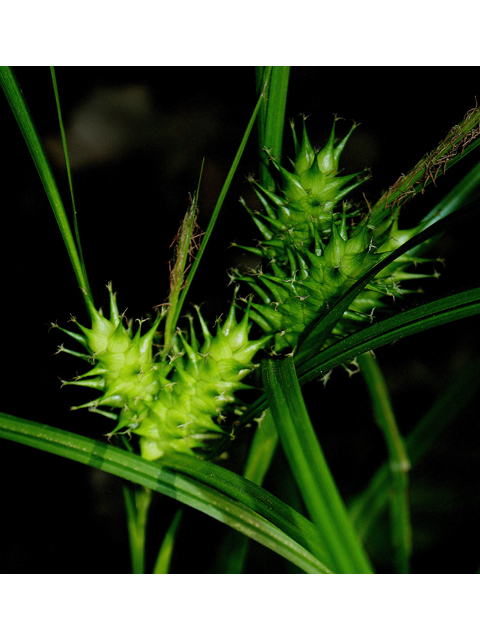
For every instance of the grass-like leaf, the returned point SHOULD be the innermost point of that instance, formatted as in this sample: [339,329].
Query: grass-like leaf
[216,492]
[271,121]
[420,318]
[164,557]
[310,468]
[70,180]
[461,195]
[137,501]
[239,488]
[21,112]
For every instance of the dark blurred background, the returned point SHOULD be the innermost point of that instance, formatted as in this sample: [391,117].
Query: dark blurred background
[137,137]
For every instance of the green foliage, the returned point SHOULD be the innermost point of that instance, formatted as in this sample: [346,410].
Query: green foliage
[313,476]
[19,108]
[329,267]
[204,486]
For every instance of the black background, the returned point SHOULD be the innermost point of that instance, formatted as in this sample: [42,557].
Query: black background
[137,137]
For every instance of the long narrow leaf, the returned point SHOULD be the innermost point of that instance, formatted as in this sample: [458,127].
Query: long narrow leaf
[264,503]
[221,504]
[70,181]
[21,112]
[309,467]
[164,557]
[420,318]
[272,122]
[426,316]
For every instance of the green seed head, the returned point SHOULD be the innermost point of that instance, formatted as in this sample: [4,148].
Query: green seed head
[123,361]
[306,198]
[315,254]
[178,405]
[192,408]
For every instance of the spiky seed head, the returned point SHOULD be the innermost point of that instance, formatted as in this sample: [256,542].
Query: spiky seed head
[171,405]
[306,236]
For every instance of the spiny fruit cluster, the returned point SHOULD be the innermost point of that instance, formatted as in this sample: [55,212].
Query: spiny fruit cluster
[311,255]
[177,404]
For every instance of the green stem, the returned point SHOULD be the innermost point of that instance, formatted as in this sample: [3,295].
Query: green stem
[366,508]
[310,468]
[459,141]
[261,452]
[137,502]
[164,557]
[223,193]
[271,121]
[398,460]
[183,248]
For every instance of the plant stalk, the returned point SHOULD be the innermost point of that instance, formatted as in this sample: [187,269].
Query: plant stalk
[137,502]
[164,557]
[399,463]
[271,120]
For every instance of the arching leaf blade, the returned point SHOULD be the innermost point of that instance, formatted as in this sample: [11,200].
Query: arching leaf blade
[420,318]
[427,316]
[220,503]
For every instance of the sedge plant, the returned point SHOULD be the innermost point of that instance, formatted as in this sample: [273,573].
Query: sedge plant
[180,393]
